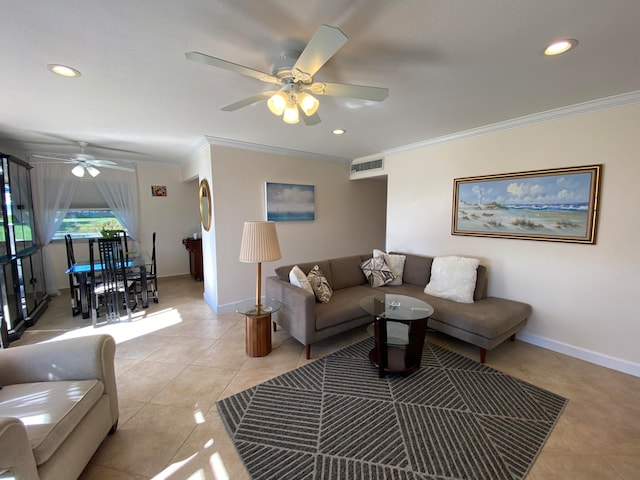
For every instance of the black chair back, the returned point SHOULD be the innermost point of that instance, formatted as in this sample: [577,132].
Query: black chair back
[115,287]
[71,258]
[123,236]
[74,284]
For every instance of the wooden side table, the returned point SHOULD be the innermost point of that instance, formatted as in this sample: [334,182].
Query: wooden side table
[194,246]
[258,325]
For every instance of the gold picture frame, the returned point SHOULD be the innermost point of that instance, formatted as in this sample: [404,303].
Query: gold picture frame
[555,205]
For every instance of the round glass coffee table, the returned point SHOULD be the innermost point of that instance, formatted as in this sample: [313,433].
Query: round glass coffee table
[399,329]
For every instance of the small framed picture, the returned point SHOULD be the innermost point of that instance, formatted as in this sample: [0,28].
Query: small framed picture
[158,190]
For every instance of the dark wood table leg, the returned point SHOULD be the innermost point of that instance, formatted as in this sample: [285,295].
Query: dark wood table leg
[380,327]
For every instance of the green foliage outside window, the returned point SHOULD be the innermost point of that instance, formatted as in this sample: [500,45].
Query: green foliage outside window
[87,224]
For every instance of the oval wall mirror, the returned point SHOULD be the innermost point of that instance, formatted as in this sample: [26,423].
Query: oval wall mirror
[205,204]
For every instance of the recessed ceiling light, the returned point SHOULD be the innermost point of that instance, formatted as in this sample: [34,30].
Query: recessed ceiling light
[339,131]
[63,70]
[561,46]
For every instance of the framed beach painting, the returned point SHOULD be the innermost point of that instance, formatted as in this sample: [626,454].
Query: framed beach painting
[556,205]
[288,202]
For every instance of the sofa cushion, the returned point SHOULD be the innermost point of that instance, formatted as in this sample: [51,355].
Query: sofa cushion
[395,263]
[320,285]
[343,307]
[50,411]
[346,272]
[453,278]
[299,279]
[377,272]
[417,269]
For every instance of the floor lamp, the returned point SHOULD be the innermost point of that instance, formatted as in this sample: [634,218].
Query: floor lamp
[259,244]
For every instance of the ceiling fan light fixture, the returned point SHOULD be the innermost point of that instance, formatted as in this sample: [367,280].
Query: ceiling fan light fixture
[291,114]
[277,103]
[78,171]
[308,103]
[93,171]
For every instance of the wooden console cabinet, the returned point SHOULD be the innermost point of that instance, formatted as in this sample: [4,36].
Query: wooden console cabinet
[194,246]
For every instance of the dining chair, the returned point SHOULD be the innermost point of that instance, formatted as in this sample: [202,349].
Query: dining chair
[123,235]
[74,284]
[151,273]
[115,288]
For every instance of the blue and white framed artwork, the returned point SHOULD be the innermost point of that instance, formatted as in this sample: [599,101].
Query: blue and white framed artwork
[558,205]
[289,202]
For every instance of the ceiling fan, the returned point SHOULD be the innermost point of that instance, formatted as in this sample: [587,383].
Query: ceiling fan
[294,74]
[84,162]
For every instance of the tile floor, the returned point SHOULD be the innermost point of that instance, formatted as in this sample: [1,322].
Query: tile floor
[178,357]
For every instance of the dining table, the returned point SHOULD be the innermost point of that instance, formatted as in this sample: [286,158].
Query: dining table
[82,268]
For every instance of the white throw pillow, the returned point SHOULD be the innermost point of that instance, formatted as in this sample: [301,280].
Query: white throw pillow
[395,263]
[299,279]
[453,278]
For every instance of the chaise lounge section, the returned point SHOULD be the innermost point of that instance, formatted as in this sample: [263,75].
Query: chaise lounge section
[485,323]
[58,402]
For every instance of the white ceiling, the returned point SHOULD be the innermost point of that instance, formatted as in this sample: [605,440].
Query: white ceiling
[450,66]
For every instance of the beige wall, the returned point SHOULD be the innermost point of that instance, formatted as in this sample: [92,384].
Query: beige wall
[584,297]
[350,215]
[173,217]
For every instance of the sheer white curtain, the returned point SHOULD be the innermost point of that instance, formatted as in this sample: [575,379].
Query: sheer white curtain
[53,189]
[120,191]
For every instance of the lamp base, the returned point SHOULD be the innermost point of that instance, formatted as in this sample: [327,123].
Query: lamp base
[258,335]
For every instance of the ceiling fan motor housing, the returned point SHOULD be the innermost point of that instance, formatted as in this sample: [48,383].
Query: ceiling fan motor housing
[282,67]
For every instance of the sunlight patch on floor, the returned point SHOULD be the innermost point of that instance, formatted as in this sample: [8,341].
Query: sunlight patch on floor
[140,324]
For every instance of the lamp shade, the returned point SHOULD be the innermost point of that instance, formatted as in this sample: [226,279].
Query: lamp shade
[259,243]
[291,114]
[78,171]
[277,103]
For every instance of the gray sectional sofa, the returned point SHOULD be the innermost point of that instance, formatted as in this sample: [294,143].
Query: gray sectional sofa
[486,322]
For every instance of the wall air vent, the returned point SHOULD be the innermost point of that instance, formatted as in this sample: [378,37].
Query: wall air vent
[366,167]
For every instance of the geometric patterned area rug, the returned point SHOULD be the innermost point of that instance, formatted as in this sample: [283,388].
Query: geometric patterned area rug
[334,419]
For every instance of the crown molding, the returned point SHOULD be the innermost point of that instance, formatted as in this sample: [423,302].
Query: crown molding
[255,147]
[605,103]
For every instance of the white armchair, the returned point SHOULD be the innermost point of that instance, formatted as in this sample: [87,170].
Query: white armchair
[58,401]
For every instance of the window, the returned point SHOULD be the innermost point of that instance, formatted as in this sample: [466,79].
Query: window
[88,214]
[87,223]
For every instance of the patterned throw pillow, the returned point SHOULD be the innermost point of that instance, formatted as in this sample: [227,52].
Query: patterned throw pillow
[395,262]
[320,285]
[377,271]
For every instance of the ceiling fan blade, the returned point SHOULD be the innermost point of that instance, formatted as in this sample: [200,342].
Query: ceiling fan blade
[248,101]
[376,94]
[101,163]
[232,67]
[52,156]
[118,167]
[323,45]
[310,120]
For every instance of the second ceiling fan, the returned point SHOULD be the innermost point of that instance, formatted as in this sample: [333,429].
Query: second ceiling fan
[294,74]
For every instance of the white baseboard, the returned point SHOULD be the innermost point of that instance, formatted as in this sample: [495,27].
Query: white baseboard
[618,364]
